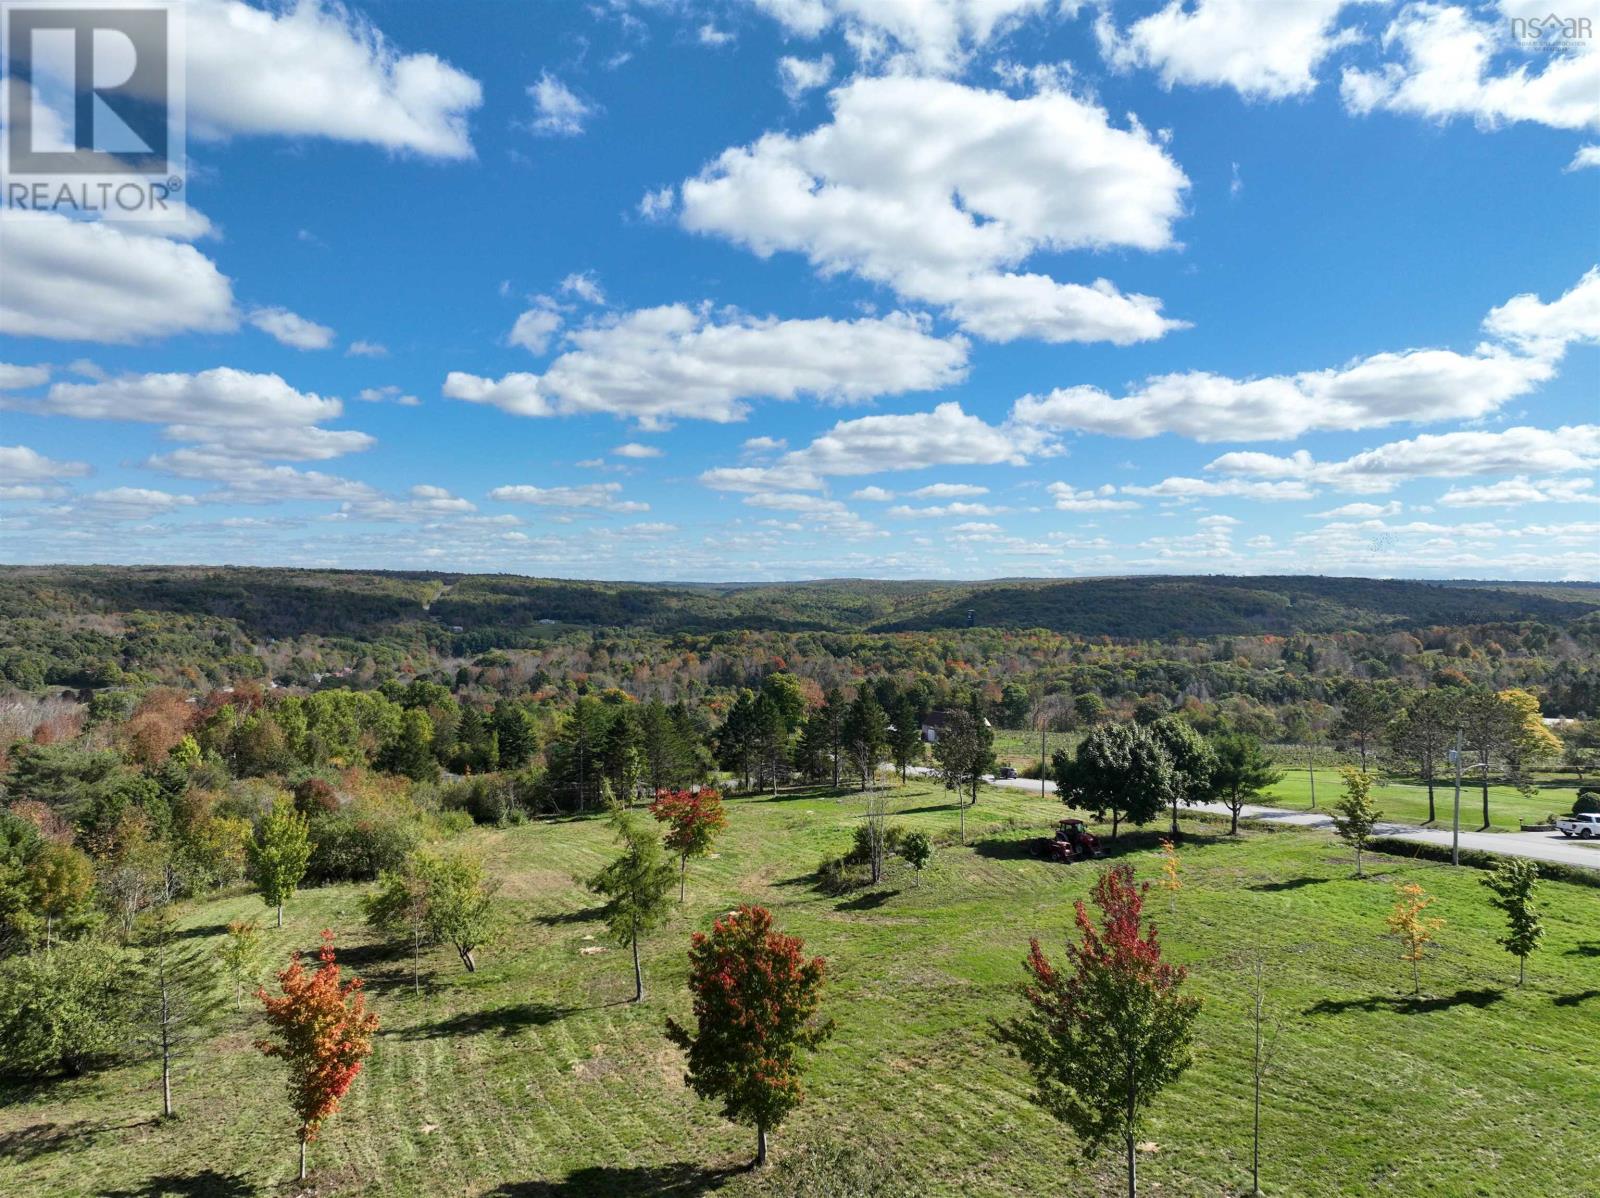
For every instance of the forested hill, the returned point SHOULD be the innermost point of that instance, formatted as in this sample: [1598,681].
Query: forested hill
[503,610]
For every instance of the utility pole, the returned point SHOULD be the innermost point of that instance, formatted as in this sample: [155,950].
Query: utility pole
[1455,830]
[1044,725]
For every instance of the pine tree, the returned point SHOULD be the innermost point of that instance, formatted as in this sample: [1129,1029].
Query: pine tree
[176,999]
[637,886]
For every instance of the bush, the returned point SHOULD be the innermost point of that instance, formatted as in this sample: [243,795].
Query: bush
[353,845]
[861,849]
[1553,871]
[64,1011]
[838,875]
[488,799]
[1587,802]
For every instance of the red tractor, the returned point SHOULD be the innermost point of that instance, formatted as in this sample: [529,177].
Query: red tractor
[1071,842]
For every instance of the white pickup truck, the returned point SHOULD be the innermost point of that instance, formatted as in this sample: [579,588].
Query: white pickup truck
[1585,826]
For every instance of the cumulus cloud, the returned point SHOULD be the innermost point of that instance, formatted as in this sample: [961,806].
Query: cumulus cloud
[600,497]
[1262,51]
[1586,157]
[800,75]
[220,397]
[1443,66]
[1515,492]
[907,512]
[633,449]
[585,286]
[946,436]
[1187,489]
[16,378]
[367,349]
[1359,511]
[872,494]
[948,491]
[671,362]
[1099,499]
[79,281]
[558,112]
[29,475]
[248,481]
[534,328]
[939,191]
[135,503]
[289,329]
[1547,329]
[1512,451]
[315,69]
[932,36]
[1410,386]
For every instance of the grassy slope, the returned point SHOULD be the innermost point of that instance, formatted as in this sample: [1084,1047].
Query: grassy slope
[532,1078]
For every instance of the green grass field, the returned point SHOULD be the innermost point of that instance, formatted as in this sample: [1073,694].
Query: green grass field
[534,1077]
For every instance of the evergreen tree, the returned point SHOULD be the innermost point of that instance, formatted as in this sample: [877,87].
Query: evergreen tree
[1242,771]
[637,887]
[866,735]
[176,1001]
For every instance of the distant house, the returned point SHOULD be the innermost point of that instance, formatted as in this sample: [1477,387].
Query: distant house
[936,721]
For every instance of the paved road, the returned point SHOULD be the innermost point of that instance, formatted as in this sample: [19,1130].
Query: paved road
[1541,846]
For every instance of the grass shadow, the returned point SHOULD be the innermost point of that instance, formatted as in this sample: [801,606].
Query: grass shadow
[1007,849]
[1585,948]
[204,930]
[508,1021]
[41,1139]
[587,915]
[208,1183]
[1411,1004]
[1573,1000]
[1288,884]
[607,1181]
[870,901]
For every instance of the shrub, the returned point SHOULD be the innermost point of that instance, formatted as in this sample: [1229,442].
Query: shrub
[1588,801]
[64,1011]
[488,799]
[1555,871]
[861,848]
[839,875]
[354,845]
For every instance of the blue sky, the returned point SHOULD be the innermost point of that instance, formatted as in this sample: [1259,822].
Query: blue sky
[804,288]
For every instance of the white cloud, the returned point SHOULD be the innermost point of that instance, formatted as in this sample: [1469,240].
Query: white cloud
[388,394]
[15,378]
[1547,329]
[1586,157]
[289,329]
[558,110]
[219,397]
[1514,492]
[800,75]
[633,449]
[1263,51]
[658,364]
[423,502]
[930,35]
[654,205]
[1187,489]
[1101,499]
[295,442]
[1444,69]
[709,35]
[534,328]
[311,69]
[21,465]
[946,436]
[367,349]
[247,481]
[1359,511]
[79,281]
[949,491]
[1512,451]
[906,512]
[754,446]
[872,495]
[585,286]
[135,503]
[939,191]
[603,497]
[1412,386]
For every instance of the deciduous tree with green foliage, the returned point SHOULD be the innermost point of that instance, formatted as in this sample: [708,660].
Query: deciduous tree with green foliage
[326,1033]
[242,956]
[1106,1035]
[637,887]
[1194,764]
[278,853]
[1514,883]
[916,849]
[1354,814]
[964,753]
[756,999]
[1118,768]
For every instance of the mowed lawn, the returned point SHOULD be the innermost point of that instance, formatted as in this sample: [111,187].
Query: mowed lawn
[535,1077]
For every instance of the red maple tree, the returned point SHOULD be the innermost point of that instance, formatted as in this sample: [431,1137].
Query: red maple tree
[327,1034]
[693,819]
[755,1000]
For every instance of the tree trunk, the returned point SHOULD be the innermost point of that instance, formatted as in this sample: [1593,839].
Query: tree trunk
[638,973]
[1115,818]
[1133,1168]
[1311,769]
[302,1157]
[761,1145]
[961,802]
[1522,970]
[683,877]
[1174,821]
[467,959]
[1431,815]
[166,1051]
[280,915]
[1486,794]
[416,960]
[1233,807]
[1359,874]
